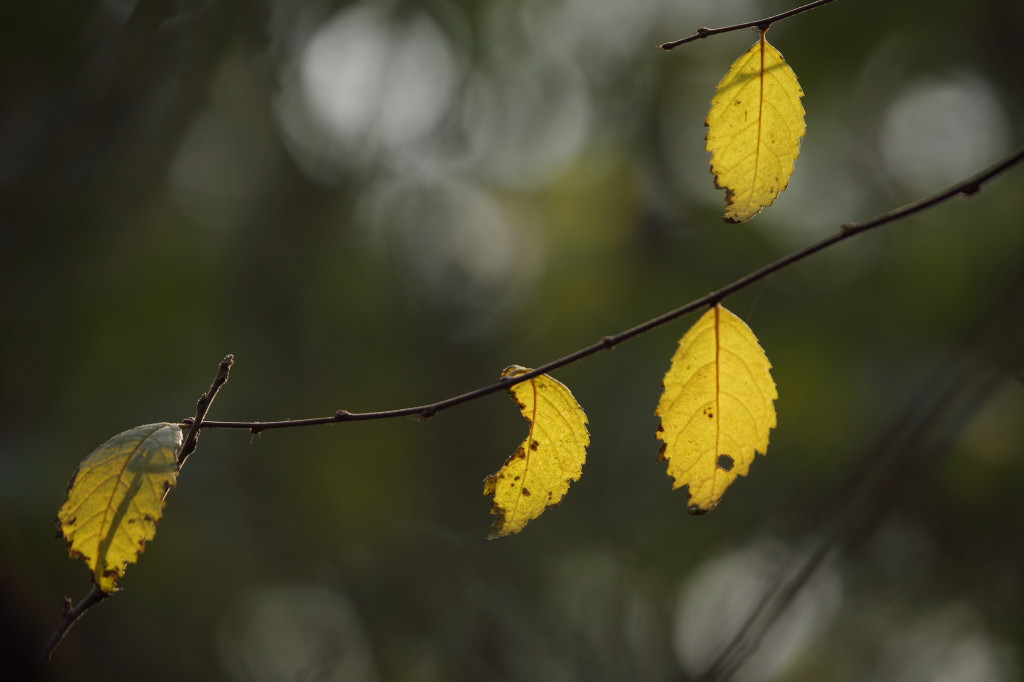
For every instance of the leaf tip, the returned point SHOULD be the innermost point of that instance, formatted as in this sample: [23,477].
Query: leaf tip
[495,533]
[500,528]
[697,510]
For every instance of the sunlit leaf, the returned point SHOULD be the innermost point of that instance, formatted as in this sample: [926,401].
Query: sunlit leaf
[116,498]
[717,407]
[538,475]
[754,128]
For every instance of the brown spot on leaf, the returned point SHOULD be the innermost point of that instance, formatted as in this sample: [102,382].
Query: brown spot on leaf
[526,492]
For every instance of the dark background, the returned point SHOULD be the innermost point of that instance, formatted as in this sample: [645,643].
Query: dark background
[381,204]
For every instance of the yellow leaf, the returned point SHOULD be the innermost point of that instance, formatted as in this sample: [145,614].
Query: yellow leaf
[116,498]
[539,473]
[754,128]
[717,407]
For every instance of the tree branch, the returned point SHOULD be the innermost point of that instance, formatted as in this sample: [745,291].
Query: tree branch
[968,187]
[704,32]
[69,616]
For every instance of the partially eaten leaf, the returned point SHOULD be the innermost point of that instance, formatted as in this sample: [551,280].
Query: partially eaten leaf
[539,473]
[116,498]
[754,125]
[717,407]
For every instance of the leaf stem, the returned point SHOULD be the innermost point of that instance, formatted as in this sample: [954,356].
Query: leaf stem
[763,24]
[968,187]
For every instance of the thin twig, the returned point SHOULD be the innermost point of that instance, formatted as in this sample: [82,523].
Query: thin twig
[968,187]
[704,32]
[69,615]
[202,407]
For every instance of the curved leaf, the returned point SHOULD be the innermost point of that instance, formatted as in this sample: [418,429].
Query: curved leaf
[116,498]
[754,128]
[717,407]
[539,473]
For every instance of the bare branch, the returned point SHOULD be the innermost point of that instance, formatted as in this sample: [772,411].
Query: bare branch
[968,187]
[763,24]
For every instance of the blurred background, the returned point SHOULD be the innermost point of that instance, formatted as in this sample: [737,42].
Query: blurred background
[382,203]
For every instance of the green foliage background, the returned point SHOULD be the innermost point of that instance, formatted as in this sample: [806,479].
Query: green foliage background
[381,204]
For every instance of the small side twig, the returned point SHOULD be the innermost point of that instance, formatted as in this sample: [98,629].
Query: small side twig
[202,407]
[69,616]
[763,24]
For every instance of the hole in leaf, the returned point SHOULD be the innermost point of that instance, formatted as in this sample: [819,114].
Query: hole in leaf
[724,462]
